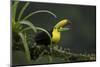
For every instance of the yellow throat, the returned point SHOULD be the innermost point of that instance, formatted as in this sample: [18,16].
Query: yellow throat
[56,33]
[55,36]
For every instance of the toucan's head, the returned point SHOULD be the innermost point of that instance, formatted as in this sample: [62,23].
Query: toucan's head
[63,25]
[59,27]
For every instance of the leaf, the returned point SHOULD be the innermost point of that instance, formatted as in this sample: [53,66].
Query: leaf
[27,52]
[14,7]
[40,11]
[22,10]
[25,29]
[29,24]
[50,58]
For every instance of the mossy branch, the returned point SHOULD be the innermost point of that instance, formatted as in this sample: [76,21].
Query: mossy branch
[72,57]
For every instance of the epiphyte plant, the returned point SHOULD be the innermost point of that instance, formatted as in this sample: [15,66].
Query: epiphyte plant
[18,30]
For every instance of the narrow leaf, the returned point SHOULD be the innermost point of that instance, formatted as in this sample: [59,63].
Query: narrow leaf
[40,11]
[22,10]
[29,24]
[14,7]
[27,52]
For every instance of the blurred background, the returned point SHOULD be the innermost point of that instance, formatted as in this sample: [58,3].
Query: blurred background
[81,38]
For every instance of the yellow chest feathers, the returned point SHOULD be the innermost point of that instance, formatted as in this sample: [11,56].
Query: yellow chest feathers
[55,36]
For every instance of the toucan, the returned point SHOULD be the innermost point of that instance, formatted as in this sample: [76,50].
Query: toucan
[42,39]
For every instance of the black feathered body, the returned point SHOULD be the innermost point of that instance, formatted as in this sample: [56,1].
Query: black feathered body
[42,38]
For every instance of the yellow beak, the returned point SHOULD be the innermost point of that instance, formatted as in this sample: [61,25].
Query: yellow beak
[62,23]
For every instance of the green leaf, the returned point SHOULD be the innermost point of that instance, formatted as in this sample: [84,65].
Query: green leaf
[14,7]
[29,24]
[27,52]
[50,59]
[25,29]
[22,10]
[40,11]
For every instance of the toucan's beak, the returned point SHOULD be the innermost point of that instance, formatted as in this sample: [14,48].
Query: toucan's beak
[69,25]
[66,25]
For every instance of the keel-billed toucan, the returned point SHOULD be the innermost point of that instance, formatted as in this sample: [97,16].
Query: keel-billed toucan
[42,38]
